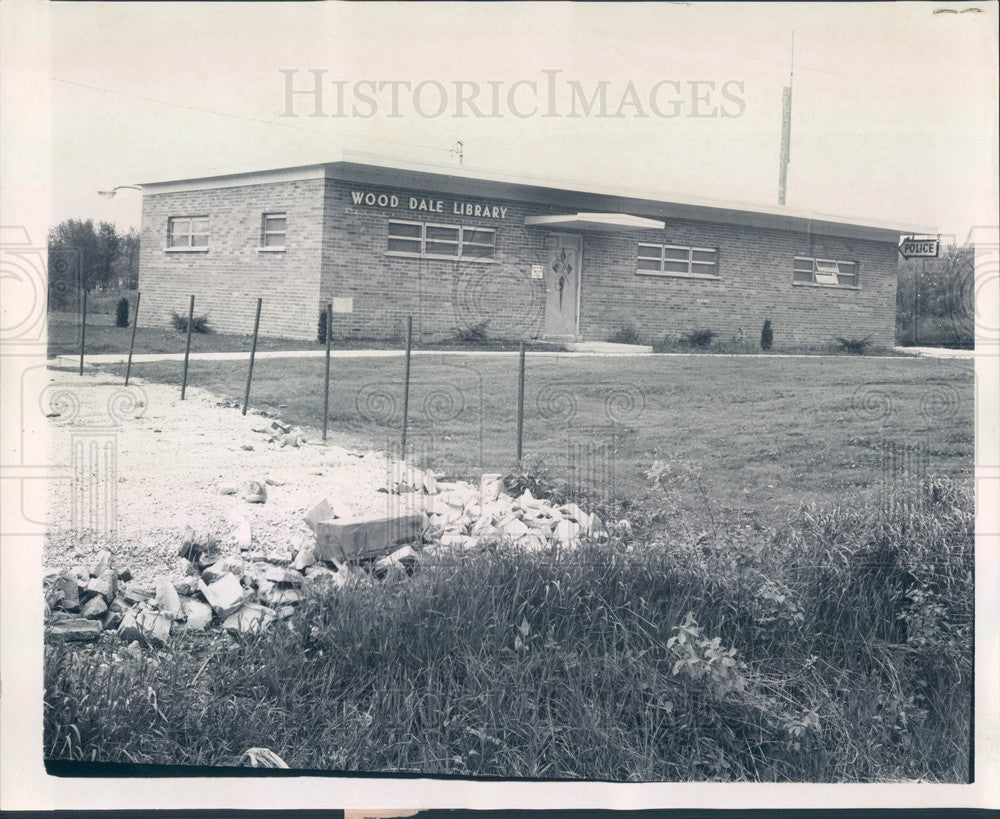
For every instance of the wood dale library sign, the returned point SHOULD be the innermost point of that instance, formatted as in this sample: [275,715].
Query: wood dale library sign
[425,204]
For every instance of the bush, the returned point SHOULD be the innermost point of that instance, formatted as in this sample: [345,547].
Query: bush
[626,334]
[766,335]
[699,338]
[199,324]
[321,327]
[474,334]
[121,313]
[855,346]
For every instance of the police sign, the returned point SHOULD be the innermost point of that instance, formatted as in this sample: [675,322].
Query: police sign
[913,247]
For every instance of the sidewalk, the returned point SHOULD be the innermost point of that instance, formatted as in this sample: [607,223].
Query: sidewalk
[145,358]
[938,352]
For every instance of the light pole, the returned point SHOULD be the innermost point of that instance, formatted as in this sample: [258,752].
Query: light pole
[111,193]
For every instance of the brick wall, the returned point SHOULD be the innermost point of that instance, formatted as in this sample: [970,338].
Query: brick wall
[755,271]
[442,295]
[755,283]
[337,249]
[228,278]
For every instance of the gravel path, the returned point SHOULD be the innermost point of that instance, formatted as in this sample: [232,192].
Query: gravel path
[171,459]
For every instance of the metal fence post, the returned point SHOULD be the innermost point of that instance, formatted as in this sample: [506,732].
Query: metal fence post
[406,381]
[131,346]
[520,404]
[326,379]
[253,354]
[187,348]
[83,329]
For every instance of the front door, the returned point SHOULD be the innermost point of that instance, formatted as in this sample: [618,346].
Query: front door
[562,283]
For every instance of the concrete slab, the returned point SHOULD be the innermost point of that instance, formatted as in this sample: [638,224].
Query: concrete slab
[361,537]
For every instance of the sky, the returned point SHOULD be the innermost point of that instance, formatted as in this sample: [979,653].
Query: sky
[894,112]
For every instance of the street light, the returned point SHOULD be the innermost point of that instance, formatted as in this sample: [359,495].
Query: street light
[111,193]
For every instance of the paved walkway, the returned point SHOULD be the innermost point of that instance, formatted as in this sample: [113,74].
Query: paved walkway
[940,352]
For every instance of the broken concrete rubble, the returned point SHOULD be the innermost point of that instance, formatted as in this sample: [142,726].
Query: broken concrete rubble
[145,626]
[225,595]
[197,614]
[167,600]
[252,589]
[249,619]
[94,608]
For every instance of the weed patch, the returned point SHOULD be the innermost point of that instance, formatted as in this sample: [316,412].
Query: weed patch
[835,647]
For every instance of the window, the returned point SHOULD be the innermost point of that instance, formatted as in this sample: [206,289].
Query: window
[677,260]
[272,230]
[441,241]
[187,231]
[825,271]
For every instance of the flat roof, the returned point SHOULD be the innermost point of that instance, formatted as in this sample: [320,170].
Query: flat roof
[467,181]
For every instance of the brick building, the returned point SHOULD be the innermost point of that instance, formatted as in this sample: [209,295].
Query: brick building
[381,241]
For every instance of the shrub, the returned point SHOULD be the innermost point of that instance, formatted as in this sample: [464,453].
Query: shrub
[321,327]
[856,346]
[626,334]
[199,324]
[699,338]
[474,334]
[121,313]
[532,476]
[766,335]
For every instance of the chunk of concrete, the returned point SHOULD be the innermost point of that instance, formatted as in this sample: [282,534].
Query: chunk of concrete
[282,597]
[112,619]
[366,536]
[249,619]
[75,630]
[105,584]
[167,600]
[323,510]
[94,608]
[196,541]
[198,615]
[255,492]
[220,569]
[304,558]
[138,594]
[489,487]
[101,563]
[186,586]
[513,527]
[567,532]
[225,595]
[146,626]
[242,533]
[66,593]
[282,576]
[399,559]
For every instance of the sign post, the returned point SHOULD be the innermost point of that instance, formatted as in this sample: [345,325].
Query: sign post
[919,247]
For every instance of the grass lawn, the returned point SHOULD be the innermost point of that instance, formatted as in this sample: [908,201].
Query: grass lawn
[64,339]
[754,433]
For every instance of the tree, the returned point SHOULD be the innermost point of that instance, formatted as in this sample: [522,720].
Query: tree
[126,266]
[82,255]
[938,294]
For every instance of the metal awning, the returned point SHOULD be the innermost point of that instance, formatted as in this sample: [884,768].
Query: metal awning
[601,222]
